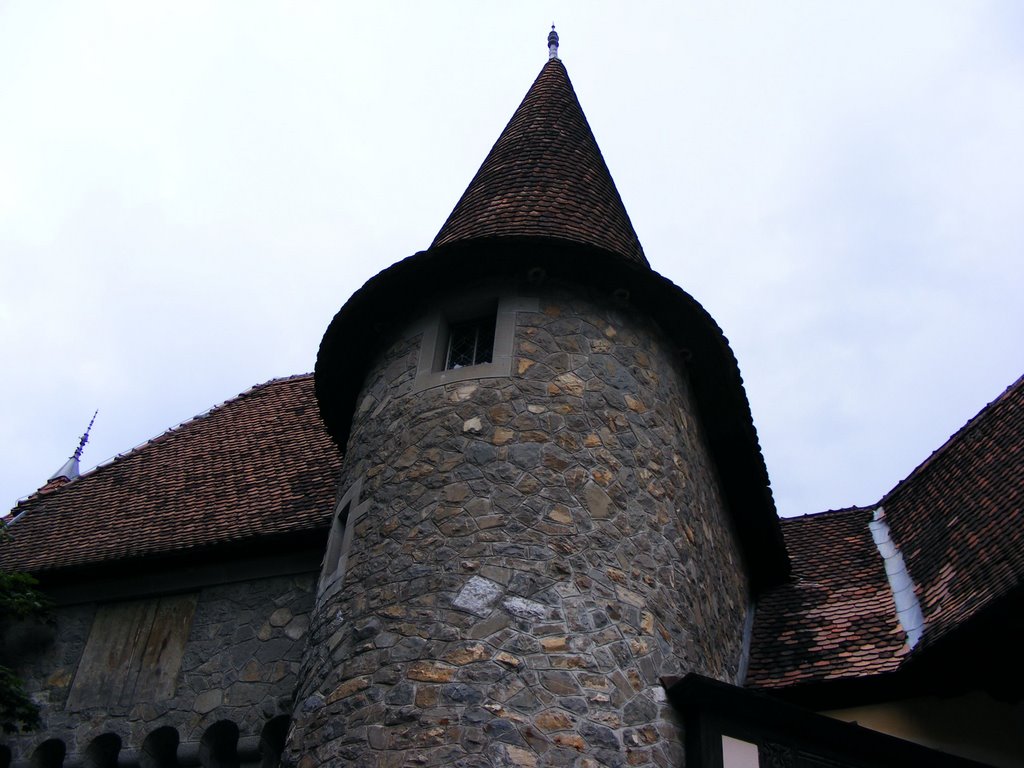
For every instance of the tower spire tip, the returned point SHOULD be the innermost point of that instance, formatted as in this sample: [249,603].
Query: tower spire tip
[85,435]
[552,43]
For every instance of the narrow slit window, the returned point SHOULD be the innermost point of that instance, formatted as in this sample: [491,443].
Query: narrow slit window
[347,513]
[337,538]
[470,343]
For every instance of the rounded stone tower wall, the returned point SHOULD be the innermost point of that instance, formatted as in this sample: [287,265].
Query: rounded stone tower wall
[518,558]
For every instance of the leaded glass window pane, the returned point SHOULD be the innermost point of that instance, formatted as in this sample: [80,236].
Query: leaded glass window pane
[485,341]
[470,343]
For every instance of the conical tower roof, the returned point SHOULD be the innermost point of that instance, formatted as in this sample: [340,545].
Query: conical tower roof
[545,177]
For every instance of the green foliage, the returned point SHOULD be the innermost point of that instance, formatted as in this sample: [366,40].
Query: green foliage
[19,601]
[17,710]
[19,598]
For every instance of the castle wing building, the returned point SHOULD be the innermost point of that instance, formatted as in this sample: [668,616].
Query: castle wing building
[518,516]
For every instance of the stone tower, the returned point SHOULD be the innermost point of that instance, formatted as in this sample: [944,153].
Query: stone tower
[551,494]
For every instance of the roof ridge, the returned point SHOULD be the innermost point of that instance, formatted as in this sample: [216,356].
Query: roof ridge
[117,458]
[829,512]
[970,424]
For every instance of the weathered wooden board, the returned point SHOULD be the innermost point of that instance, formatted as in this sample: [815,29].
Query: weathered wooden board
[161,656]
[133,653]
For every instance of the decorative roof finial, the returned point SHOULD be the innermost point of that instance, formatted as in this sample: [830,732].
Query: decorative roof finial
[552,43]
[70,469]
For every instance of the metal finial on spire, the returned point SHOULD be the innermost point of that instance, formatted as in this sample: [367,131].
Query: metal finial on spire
[552,43]
[70,469]
[85,435]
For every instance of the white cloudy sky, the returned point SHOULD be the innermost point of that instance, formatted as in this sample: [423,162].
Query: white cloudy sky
[189,191]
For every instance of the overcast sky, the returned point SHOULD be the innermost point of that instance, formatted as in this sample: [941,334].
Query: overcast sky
[189,192]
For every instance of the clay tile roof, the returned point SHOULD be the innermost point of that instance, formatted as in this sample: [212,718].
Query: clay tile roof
[836,618]
[545,177]
[958,521]
[959,517]
[258,465]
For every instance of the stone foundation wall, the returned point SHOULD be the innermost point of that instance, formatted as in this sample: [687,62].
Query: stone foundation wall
[534,552]
[226,653]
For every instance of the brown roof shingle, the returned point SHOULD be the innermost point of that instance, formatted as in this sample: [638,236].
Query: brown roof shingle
[545,177]
[836,617]
[259,465]
[959,517]
[958,521]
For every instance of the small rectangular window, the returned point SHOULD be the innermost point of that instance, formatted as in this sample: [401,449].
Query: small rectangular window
[468,338]
[470,343]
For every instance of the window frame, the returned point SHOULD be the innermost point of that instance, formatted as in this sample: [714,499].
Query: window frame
[431,370]
[349,510]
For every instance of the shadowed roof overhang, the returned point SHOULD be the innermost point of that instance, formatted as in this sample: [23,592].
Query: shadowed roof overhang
[365,326]
[710,709]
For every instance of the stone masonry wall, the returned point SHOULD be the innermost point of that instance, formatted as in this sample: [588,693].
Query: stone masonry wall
[239,664]
[536,551]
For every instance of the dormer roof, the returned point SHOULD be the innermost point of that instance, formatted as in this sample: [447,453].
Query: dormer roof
[545,177]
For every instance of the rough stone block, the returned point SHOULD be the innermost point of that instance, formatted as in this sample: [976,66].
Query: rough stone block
[280,617]
[208,701]
[430,672]
[477,596]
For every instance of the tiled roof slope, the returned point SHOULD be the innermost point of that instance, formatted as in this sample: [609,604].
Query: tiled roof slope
[258,465]
[836,618]
[545,177]
[959,517]
[958,521]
